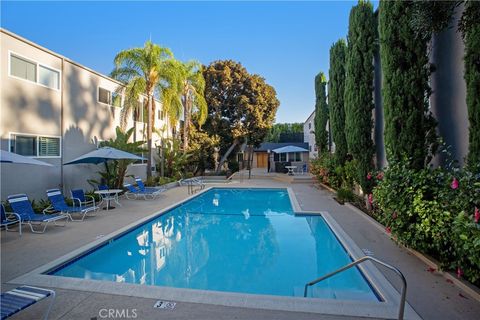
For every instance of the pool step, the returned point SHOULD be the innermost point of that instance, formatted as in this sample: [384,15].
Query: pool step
[327,293]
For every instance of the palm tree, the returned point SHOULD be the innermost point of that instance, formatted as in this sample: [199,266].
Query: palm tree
[150,72]
[115,173]
[192,96]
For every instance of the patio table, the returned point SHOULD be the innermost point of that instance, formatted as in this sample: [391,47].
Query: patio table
[107,195]
[291,170]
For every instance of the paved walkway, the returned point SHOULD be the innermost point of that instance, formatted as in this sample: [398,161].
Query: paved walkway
[429,294]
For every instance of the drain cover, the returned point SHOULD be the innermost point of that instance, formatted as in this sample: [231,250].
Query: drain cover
[165,305]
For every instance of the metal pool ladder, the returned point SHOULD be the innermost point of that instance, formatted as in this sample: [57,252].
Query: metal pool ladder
[401,308]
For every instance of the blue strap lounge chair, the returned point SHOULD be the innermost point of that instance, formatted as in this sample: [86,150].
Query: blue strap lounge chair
[79,197]
[18,299]
[9,218]
[58,204]
[22,206]
[142,187]
[134,193]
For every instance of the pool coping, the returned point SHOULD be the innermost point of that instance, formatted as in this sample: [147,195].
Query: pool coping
[384,309]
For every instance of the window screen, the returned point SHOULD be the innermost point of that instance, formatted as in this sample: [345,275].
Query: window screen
[48,147]
[104,95]
[22,68]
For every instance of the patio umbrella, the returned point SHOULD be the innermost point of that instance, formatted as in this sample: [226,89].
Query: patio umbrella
[102,155]
[288,149]
[8,157]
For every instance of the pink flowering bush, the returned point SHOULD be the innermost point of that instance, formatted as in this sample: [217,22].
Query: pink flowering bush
[433,211]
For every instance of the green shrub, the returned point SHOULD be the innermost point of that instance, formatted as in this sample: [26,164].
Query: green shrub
[432,210]
[345,195]
[326,170]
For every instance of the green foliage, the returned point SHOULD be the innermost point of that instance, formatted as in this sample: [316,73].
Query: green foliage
[285,132]
[359,88]
[115,172]
[150,71]
[420,206]
[409,126]
[321,113]
[325,170]
[431,16]
[471,32]
[174,157]
[345,195]
[191,95]
[336,93]
[201,150]
[241,106]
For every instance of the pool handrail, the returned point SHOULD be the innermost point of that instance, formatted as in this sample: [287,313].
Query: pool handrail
[401,308]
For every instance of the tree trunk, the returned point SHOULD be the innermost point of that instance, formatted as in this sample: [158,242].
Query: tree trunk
[250,161]
[186,124]
[225,156]
[149,137]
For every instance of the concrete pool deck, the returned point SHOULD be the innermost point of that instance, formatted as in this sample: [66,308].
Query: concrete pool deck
[429,294]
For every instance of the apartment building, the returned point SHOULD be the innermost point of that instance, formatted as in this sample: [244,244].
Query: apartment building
[54,109]
[309,135]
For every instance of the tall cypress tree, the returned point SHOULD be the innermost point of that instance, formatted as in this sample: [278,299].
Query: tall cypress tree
[321,112]
[336,91]
[409,127]
[470,26]
[359,88]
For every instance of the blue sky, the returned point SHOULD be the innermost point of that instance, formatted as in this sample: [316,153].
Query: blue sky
[285,42]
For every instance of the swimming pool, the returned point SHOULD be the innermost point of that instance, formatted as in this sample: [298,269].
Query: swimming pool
[235,240]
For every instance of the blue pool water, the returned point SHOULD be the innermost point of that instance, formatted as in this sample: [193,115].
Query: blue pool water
[238,240]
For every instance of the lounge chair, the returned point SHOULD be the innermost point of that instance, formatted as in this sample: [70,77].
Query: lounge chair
[134,193]
[22,206]
[142,187]
[58,204]
[9,218]
[18,299]
[79,197]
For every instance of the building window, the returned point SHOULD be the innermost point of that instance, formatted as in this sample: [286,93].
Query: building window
[309,125]
[23,68]
[298,156]
[104,96]
[35,146]
[310,148]
[30,70]
[160,115]
[49,77]
[48,147]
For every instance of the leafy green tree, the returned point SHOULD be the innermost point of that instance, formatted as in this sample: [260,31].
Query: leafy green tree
[285,132]
[409,126]
[321,112]
[359,88]
[470,26]
[115,172]
[336,93]
[150,72]
[241,106]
